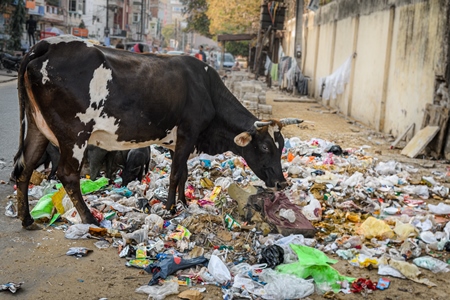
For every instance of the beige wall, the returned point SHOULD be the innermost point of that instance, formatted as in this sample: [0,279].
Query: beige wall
[399,53]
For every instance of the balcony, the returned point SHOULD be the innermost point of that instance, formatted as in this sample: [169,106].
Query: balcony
[53,14]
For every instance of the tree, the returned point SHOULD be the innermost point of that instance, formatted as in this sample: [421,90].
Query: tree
[82,25]
[197,20]
[168,32]
[237,48]
[16,26]
[233,16]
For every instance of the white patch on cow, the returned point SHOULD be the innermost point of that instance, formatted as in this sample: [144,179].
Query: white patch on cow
[272,129]
[206,68]
[78,152]
[98,91]
[44,72]
[67,38]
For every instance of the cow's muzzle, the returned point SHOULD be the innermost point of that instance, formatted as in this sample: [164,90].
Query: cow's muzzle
[280,185]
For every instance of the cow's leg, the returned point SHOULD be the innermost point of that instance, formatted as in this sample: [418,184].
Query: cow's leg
[33,148]
[69,174]
[182,185]
[178,174]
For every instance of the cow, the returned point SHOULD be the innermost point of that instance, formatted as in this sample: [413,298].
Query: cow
[73,93]
[136,165]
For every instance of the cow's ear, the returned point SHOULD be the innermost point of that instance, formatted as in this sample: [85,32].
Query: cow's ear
[243,139]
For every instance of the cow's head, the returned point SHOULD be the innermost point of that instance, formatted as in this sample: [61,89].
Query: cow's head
[262,148]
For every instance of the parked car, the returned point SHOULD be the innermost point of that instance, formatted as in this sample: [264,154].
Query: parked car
[228,61]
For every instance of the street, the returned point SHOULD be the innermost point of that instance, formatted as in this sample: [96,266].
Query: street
[38,258]
[9,127]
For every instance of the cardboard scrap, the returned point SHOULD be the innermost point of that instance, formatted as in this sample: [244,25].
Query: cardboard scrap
[191,295]
[420,141]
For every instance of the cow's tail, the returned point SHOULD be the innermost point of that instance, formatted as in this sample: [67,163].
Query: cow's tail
[36,51]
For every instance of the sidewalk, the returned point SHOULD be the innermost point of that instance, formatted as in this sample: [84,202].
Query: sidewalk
[5,77]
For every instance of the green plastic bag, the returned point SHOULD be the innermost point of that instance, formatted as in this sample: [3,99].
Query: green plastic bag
[45,204]
[314,263]
[89,186]
[43,208]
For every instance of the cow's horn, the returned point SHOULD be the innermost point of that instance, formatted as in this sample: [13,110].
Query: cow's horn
[290,121]
[261,124]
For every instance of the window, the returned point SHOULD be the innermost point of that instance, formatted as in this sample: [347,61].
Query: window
[136,17]
[72,5]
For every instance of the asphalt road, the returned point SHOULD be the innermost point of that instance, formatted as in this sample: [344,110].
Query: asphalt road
[9,131]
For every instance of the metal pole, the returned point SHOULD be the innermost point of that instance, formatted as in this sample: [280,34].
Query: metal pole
[142,20]
[299,33]
[107,24]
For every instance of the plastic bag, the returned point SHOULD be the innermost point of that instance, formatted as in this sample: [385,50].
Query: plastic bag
[314,263]
[72,216]
[272,256]
[11,286]
[10,210]
[78,251]
[159,292]
[218,269]
[78,231]
[288,214]
[140,235]
[283,286]
[43,208]
[375,228]
[155,223]
[313,211]
[432,264]
[428,237]
[440,209]
[404,231]
[89,186]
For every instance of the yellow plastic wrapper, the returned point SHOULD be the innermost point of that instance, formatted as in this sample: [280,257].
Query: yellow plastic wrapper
[374,228]
[57,200]
[364,261]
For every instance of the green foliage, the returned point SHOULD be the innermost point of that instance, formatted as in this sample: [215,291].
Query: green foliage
[237,48]
[197,20]
[168,32]
[82,25]
[16,26]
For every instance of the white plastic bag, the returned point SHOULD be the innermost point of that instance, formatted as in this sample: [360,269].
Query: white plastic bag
[78,231]
[432,264]
[440,209]
[313,211]
[284,286]
[218,269]
[159,292]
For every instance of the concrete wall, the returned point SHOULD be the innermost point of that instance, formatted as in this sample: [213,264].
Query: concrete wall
[400,48]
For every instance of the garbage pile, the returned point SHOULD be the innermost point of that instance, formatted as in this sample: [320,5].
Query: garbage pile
[253,242]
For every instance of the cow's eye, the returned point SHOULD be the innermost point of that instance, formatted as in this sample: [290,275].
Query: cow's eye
[264,148]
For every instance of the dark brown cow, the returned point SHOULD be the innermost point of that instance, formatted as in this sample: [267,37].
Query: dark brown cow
[73,93]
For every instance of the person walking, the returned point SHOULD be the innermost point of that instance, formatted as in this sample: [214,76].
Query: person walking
[202,53]
[31,25]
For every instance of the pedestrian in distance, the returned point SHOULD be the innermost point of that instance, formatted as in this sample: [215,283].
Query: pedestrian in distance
[138,48]
[30,26]
[202,53]
[120,46]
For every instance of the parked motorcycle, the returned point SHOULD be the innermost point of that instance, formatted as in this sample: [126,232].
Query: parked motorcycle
[10,62]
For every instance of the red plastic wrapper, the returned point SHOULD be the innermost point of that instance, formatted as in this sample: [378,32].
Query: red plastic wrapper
[97,214]
[362,284]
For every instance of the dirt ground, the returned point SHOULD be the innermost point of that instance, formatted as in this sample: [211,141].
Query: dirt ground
[38,257]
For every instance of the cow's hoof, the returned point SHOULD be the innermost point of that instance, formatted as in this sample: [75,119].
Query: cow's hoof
[90,219]
[33,226]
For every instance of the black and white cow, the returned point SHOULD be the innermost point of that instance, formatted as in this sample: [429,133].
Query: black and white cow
[74,93]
